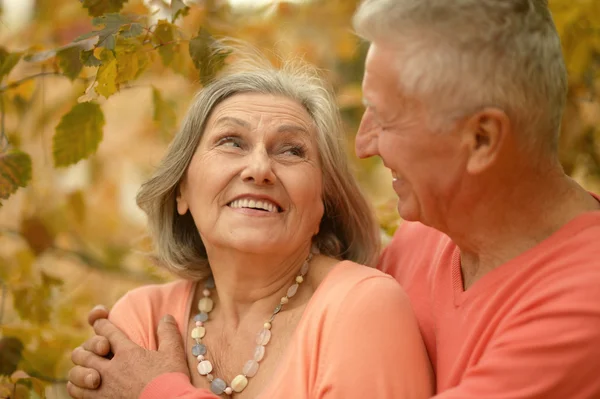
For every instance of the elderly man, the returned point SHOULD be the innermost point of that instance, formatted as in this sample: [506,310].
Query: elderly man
[500,251]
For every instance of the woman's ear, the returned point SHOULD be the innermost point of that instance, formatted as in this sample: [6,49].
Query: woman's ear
[182,204]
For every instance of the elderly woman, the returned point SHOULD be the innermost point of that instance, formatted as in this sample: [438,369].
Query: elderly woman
[254,206]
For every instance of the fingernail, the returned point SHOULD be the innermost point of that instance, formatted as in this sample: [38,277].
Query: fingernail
[168,318]
[90,381]
[99,307]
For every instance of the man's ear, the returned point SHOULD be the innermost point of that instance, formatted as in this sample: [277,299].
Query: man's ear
[182,205]
[485,133]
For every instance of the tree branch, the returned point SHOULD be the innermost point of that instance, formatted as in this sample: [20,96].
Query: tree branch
[19,82]
[3,138]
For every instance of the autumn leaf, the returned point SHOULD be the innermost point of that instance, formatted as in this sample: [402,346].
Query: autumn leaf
[97,8]
[164,115]
[178,8]
[38,236]
[69,62]
[8,61]
[165,39]
[78,134]
[206,55]
[15,172]
[107,74]
[131,58]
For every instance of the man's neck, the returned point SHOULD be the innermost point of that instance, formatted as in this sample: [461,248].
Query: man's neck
[514,218]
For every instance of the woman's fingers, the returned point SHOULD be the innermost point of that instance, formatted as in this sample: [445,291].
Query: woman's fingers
[98,312]
[98,345]
[87,359]
[79,393]
[84,377]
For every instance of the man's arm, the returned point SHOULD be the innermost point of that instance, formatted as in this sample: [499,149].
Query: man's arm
[133,371]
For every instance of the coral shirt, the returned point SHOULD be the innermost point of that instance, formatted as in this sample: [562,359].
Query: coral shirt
[528,329]
[357,338]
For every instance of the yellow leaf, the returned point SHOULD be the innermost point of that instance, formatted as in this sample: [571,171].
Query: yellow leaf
[78,134]
[107,74]
[15,172]
[131,59]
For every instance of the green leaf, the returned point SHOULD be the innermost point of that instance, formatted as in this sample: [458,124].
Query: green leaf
[15,172]
[132,60]
[107,74]
[132,30]
[78,134]
[164,115]
[166,39]
[69,61]
[97,8]
[208,58]
[88,59]
[8,61]
[112,24]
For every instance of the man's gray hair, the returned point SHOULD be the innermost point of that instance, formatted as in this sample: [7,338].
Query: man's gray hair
[459,56]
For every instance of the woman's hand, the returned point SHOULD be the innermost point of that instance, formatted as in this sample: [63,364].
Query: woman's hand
[131,368]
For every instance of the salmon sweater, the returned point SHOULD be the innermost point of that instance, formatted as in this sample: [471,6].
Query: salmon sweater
[528,329]
[358,338]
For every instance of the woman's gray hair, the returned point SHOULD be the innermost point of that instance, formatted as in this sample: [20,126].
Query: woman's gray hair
[459,56]
[348,229]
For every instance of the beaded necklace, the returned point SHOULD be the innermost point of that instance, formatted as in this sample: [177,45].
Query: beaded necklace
[218,386]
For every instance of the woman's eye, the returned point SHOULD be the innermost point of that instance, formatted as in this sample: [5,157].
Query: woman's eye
[229,142]
[296,151]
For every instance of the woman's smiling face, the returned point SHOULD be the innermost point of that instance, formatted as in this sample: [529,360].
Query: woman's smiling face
[255,180]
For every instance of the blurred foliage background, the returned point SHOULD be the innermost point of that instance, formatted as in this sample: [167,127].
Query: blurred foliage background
[84,120]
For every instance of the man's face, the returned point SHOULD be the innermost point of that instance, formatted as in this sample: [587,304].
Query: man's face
[427,167]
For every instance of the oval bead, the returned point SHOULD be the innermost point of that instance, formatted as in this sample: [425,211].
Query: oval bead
[205,304]
[292,290]
[304,269]
[198,332]
[239,383]
[209,283]
[250,368]
[263,337]
[202,317]
[217,386]
[204,367]
[259,353]
[199,349]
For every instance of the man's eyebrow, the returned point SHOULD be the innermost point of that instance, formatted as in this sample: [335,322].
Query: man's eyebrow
[230,119]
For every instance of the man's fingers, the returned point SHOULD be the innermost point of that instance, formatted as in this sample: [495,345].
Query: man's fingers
[82,357]
[169,338]
[97,313]
[98,345]
[80,393]
[84,377]
[116,338]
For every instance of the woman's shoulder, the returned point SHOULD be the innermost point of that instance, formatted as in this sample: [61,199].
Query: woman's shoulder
[156,294]
[140,309]
[363,285]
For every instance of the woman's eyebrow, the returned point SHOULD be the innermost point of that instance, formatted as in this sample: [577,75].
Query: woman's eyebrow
[230,119]
[292,129]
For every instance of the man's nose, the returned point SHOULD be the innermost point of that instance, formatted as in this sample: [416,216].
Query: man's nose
[259,169]
[367,136]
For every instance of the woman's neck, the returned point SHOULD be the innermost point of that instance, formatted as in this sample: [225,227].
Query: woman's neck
[249,283]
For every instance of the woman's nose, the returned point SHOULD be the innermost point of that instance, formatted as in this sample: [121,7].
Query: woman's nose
[259,169]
